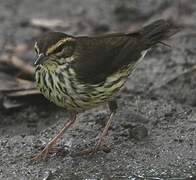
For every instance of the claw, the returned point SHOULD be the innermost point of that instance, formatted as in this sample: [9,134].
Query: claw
[43,154]
[102,147]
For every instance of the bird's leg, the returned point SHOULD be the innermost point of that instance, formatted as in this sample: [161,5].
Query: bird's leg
[49,146]
[101,141]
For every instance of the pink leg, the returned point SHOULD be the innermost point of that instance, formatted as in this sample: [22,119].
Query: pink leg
[49,146]
[101,142]
[103,135]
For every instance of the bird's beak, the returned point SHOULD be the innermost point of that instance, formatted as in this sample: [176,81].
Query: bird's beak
[39,59]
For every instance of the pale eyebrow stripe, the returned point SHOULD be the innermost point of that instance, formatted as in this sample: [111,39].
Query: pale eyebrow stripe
[62,41]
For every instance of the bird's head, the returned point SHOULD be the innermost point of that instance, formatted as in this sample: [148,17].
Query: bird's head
[54,46]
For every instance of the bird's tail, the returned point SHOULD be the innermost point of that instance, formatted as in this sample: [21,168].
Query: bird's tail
[158,31]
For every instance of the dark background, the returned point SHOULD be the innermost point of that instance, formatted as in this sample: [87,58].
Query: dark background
[159,97]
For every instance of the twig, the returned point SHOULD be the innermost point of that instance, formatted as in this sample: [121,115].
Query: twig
[19,64]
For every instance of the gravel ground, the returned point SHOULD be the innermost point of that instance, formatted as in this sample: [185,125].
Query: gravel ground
[153,135]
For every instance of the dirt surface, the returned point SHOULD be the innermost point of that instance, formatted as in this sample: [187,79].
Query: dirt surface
[153,135]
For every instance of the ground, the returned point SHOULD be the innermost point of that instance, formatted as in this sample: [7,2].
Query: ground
[153,134]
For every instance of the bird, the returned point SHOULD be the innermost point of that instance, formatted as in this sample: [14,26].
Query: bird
[82,72]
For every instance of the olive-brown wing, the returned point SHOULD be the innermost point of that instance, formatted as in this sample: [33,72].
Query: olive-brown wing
[99,57]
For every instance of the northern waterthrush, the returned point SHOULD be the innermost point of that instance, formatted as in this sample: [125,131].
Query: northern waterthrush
[79,73]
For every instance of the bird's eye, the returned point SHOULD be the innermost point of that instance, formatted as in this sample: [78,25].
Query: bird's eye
[58,49]
[66,51]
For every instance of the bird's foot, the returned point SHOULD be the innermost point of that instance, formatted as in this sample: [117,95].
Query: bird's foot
[49,149]
[98,147]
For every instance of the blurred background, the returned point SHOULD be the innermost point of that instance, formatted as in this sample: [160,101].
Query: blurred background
[155,130]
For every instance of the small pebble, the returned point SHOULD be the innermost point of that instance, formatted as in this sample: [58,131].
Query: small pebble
[138,132]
